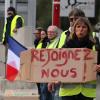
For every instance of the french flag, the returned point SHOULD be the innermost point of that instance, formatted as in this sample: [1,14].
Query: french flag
[13,58]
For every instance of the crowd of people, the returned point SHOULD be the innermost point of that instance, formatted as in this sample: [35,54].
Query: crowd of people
[79,35]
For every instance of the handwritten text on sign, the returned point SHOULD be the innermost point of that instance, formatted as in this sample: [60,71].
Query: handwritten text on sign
[60,64]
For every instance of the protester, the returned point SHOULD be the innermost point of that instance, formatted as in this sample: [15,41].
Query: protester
[13,23]
[81,38]
[37,34]
[73,16]
[43,39]
[37,40]
[53,36]
[44,93]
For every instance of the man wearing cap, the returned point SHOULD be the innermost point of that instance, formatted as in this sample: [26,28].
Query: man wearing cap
[37,34]
[13,22]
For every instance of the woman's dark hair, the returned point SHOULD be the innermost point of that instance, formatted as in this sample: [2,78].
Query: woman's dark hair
[44,30]
[12,9]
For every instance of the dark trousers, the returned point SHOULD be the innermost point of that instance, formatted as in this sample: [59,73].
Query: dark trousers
[39,90]
[76,97]
[45,94]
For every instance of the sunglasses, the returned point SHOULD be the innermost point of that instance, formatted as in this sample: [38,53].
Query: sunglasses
[72,19]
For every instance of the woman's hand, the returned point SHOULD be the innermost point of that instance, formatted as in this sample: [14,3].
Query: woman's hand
[50,87]
[98,68]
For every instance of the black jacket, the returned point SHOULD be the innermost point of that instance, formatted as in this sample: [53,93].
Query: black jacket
[36,41]
[82,43]
[44,42]
[76,43]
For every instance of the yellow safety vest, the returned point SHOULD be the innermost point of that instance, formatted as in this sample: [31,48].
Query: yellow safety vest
[62,39]
[93,34]
[39,46]
[13,26]
[87,89]
[53,43]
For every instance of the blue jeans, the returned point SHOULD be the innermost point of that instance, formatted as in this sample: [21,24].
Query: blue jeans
[56,93]
[45,94]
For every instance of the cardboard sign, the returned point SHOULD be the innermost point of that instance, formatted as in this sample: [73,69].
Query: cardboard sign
[65,65]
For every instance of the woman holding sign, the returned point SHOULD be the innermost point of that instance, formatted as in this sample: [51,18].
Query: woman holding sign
[81,38]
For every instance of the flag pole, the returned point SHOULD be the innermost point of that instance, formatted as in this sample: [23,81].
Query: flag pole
[56,13]
[7,4]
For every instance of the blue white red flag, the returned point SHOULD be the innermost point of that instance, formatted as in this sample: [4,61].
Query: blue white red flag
[13,58]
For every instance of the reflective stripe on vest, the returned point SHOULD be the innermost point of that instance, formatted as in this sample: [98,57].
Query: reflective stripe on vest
[71,85]
[4,30]
[93,34]
[87,85]
[13,26]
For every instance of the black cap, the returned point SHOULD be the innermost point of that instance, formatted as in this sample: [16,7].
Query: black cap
[12,9]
